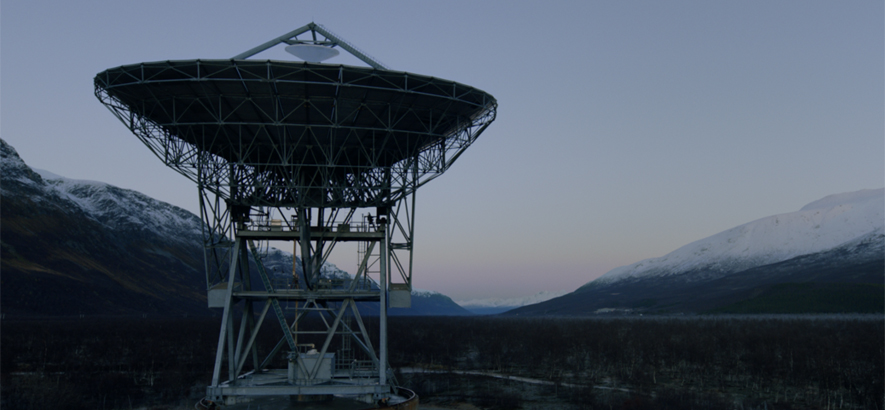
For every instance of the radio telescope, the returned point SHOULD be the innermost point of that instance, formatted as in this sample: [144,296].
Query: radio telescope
[301,151]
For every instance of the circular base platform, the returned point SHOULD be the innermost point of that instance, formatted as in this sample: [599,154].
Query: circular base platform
[407,401]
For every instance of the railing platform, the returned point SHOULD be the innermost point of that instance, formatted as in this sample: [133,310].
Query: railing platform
[289,294]
[282,233]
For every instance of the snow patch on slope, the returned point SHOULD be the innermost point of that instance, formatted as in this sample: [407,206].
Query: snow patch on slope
[123,209]
[423,293]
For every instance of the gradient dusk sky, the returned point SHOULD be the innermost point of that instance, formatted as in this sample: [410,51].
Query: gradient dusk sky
[625,129]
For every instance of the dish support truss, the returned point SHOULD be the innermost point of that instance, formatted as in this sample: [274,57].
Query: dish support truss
[386,241]
[234,190]
[233,195]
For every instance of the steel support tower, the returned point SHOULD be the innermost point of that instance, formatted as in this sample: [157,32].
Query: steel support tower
[300,151]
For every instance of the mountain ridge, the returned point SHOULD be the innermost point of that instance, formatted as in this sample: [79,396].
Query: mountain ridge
[832,260]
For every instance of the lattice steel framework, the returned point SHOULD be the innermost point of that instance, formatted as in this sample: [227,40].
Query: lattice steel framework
[307,140]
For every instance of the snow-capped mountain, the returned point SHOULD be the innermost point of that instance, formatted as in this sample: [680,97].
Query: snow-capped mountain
[822,225]
[75,246]
[827,257]
[113,207]
[490,306]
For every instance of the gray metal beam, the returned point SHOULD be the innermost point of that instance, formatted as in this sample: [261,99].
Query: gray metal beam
[330,333]
[255,50]
[352,49]
[252,337]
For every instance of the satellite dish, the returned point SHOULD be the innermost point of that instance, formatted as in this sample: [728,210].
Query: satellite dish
[312,53]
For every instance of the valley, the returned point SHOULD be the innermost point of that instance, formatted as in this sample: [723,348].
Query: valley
[701,362]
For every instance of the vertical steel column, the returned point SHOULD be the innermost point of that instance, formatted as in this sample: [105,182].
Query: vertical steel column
[382,331]
[306,257]
[247,315]
[231,366]
[228,306]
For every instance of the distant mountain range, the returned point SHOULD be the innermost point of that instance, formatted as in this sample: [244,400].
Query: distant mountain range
[71,247]
[491,306]
[828,257]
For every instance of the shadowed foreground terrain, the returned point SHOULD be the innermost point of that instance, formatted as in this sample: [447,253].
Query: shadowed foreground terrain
[611,363]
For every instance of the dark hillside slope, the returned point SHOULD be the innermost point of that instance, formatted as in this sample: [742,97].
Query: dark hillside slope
[59,260]
[58,263]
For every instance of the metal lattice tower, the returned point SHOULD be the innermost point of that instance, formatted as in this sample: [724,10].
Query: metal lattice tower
[294,151]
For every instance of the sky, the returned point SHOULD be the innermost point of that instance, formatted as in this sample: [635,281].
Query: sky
[625,129]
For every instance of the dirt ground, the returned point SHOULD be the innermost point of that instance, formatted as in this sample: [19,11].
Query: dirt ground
[458,406]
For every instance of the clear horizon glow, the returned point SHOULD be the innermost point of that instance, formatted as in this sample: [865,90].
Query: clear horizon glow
[625,129]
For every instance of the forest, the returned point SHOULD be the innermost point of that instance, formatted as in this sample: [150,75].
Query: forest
[704,362]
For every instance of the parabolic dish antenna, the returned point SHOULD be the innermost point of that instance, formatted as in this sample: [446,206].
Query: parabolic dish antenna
[315,154]
[312,53]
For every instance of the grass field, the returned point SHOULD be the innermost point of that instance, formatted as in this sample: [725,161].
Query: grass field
[705,362]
